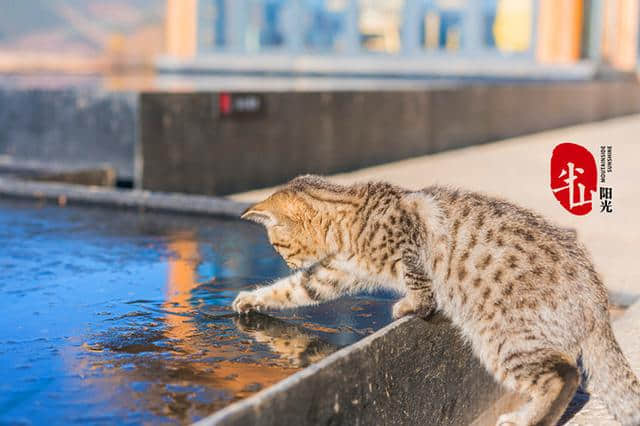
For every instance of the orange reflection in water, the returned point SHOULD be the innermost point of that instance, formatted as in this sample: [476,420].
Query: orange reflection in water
[198,357]
[239,378]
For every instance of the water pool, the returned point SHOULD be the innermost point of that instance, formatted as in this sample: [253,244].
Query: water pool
[112,316]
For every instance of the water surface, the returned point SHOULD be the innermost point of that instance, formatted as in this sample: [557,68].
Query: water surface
[122,317]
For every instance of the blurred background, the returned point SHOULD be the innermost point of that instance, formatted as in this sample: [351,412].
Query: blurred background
[151,93]
[130,42]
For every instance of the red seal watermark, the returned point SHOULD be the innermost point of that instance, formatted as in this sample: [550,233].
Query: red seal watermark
[574,177]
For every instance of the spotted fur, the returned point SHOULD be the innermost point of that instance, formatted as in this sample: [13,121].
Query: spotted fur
[523,292]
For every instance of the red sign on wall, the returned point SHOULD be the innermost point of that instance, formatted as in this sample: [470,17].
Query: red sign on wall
[574,177]
[240,104]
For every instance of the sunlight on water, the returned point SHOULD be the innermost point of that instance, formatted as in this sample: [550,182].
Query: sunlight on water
[122,317]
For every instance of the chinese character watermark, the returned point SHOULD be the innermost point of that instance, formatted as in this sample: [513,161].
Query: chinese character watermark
[572,176]
[606,166]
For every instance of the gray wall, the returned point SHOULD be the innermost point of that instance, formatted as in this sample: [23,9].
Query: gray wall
[184,146]
[187,147]
[69,128]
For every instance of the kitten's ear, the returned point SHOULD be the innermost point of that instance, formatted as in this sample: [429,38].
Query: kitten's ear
[263,217]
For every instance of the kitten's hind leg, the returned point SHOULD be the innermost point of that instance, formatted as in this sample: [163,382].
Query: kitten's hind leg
[419,302]
[549,380]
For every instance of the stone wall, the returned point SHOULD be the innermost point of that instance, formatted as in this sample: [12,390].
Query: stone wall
[188,146]
[180,142]
[83,128]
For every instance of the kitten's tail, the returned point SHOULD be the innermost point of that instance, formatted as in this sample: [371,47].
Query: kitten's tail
[611,377]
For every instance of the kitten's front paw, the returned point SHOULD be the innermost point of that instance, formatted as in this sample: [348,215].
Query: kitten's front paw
[247,301]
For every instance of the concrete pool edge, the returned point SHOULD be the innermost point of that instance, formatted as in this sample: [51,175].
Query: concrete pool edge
[367,383]
[63,193]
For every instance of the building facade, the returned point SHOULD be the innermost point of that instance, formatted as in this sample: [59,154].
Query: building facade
[540,31]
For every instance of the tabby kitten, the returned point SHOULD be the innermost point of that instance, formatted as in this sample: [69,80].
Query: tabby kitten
[523,292]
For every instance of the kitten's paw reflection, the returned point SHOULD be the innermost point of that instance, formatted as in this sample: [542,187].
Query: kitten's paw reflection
[295,344]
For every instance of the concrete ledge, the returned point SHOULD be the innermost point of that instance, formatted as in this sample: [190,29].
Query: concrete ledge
[383,66]
[105,176]
[131,199]
[98,175]
[410,372]
[70,127]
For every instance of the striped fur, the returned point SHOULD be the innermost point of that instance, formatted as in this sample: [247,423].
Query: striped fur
[523,292]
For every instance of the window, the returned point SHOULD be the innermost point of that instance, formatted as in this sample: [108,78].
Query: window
[443,24]
[265,25]
[507,24]
[212,24]
[325,25]
[379,24]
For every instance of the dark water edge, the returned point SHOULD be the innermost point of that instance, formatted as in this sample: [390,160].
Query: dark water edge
[122,317]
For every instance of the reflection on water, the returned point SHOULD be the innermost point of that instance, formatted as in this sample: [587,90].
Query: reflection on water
[124,317]
[297,346]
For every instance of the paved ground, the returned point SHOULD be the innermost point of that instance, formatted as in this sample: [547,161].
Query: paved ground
[518,169]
